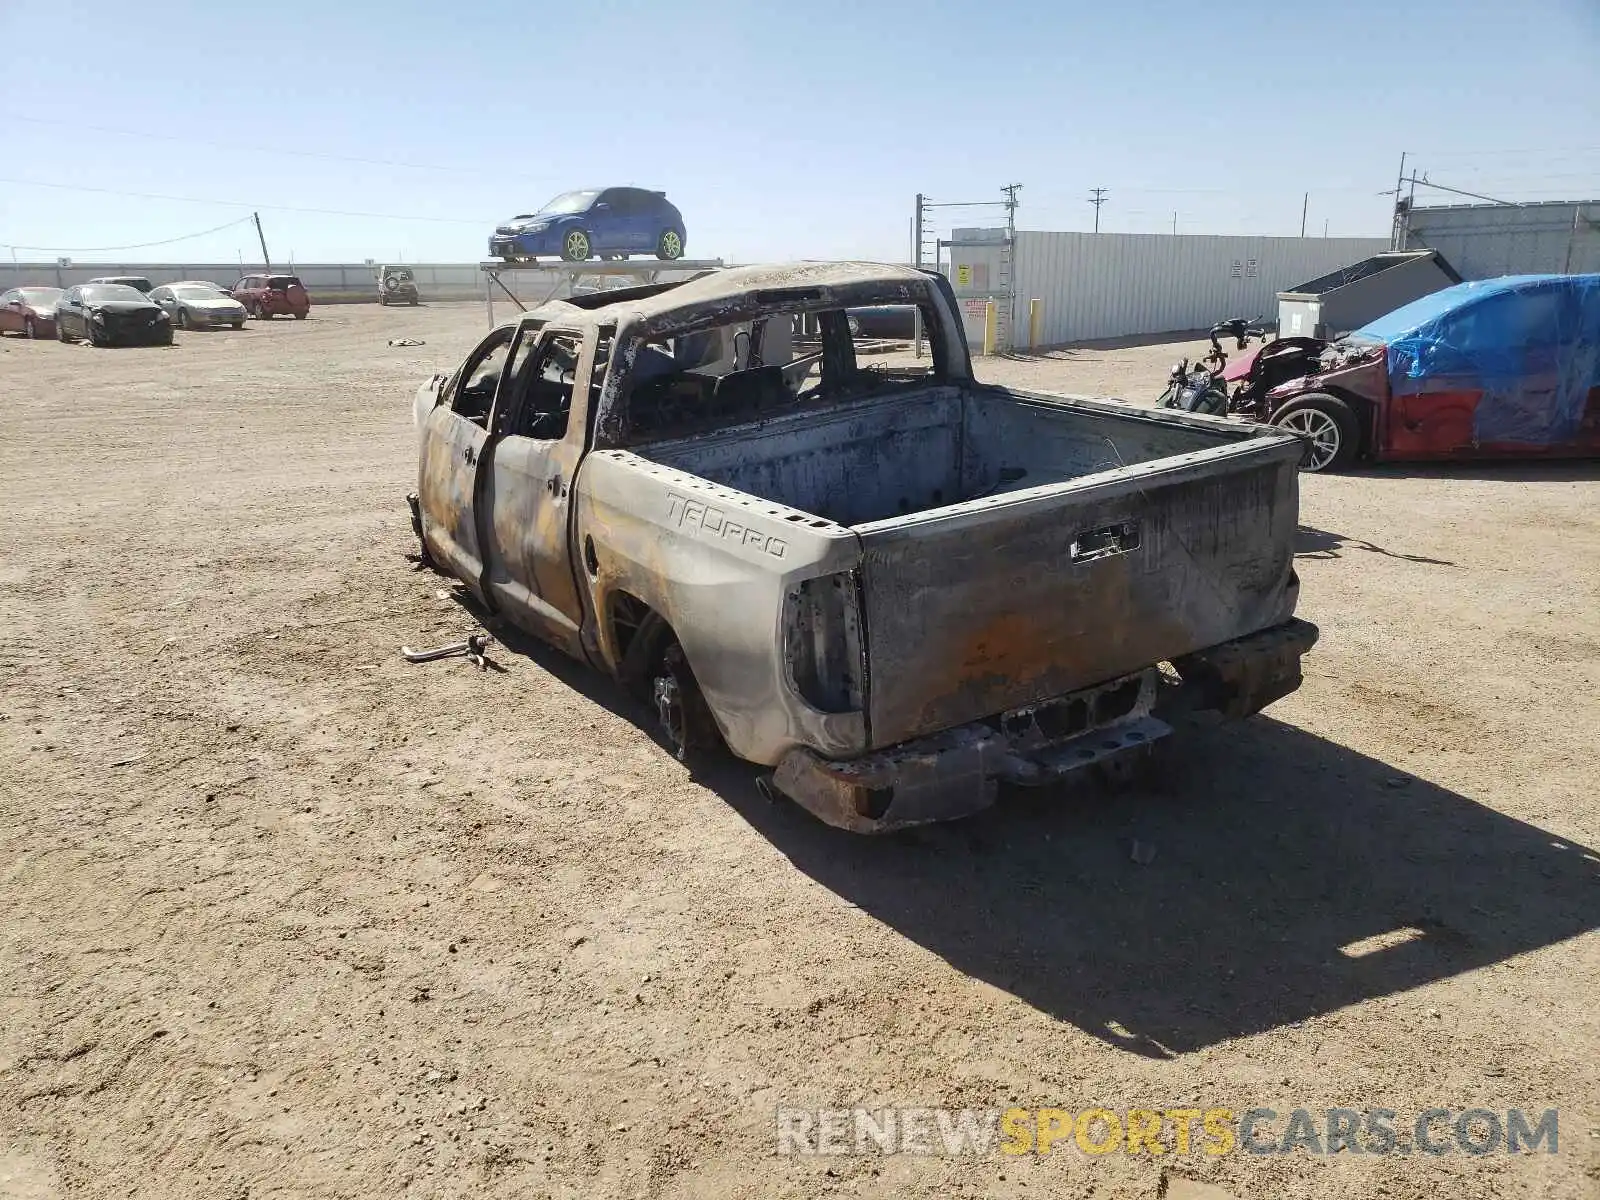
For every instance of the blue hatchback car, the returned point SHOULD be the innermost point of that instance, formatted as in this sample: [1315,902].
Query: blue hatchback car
[611,222]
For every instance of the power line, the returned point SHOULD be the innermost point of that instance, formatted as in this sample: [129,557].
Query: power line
[136,246]
[1503,153]
[194,141]
[327,212]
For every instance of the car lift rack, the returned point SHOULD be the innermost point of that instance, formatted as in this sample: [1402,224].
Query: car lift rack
[576,277]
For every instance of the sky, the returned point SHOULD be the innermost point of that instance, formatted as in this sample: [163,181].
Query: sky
[407,129]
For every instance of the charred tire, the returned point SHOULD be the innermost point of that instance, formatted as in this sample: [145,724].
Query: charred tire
[576,246]
[424,557]
[61,331]
[1332,433]
[669,245]
[95,338]
[300,316]
[657,673]
[29,329]
[183,318]
[238,324]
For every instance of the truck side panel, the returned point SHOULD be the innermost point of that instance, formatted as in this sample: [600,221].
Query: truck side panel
[720,567]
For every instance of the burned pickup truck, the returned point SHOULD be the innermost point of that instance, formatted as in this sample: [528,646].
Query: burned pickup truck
[895,586]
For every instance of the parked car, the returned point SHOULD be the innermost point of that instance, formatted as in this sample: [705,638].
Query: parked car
[268,295]
[30,311]
[898,587]
[1505,367]
[397,285]
[611,222]
[201,283]
[194,305]
[108,313]
[137,282]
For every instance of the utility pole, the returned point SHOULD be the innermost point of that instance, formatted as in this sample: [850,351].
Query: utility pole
[1395,237]
[1097,198]
[1012,204]
[1305,206]
[917,232]
[266,259]
[916,258]
[1174,222]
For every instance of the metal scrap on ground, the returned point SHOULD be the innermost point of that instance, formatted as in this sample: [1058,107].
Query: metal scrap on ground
[475,649]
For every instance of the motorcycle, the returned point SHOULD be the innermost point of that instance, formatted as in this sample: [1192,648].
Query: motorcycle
[1203,388]
[1212,387]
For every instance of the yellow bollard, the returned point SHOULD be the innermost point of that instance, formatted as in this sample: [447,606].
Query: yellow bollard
[988,327]
[1035,316]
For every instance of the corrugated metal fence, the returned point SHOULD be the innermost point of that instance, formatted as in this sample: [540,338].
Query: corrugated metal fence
[328,283]
[1103,285]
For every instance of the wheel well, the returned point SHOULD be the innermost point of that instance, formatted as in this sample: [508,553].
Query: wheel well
[1359,405]
[625,617]
[1363,409]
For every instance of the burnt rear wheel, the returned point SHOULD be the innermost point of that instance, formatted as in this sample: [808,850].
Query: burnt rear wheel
[656,671]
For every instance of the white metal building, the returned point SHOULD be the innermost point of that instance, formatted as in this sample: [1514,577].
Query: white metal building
[1483,241]
[1122,285]
[1107,285]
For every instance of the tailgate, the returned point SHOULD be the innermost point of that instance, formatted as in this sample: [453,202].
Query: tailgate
[983,607]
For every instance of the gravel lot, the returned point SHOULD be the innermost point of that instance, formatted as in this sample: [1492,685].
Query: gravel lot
[286,916]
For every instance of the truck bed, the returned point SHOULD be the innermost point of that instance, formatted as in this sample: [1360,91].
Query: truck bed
[880,459]
[1017,547]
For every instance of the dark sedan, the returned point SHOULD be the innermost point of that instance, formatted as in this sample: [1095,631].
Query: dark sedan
[108,313]
[137,282]
[30,311]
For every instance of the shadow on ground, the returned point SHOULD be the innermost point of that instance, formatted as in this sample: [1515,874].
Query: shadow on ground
[1275,851]
[1311,542]
[1564,470]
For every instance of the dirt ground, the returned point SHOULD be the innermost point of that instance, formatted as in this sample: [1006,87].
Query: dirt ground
[286,916]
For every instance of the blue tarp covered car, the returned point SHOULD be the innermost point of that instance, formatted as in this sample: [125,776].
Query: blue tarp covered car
[1507,367]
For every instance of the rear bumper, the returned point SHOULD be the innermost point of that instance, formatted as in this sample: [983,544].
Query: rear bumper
[959,771]
[280,307]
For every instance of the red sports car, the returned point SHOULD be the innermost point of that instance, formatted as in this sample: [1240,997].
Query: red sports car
[30,311]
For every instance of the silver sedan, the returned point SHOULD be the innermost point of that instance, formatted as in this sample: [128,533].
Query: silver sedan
[198,305]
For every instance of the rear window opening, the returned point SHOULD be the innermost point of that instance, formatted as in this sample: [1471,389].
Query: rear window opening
[283,281]
[723,374]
